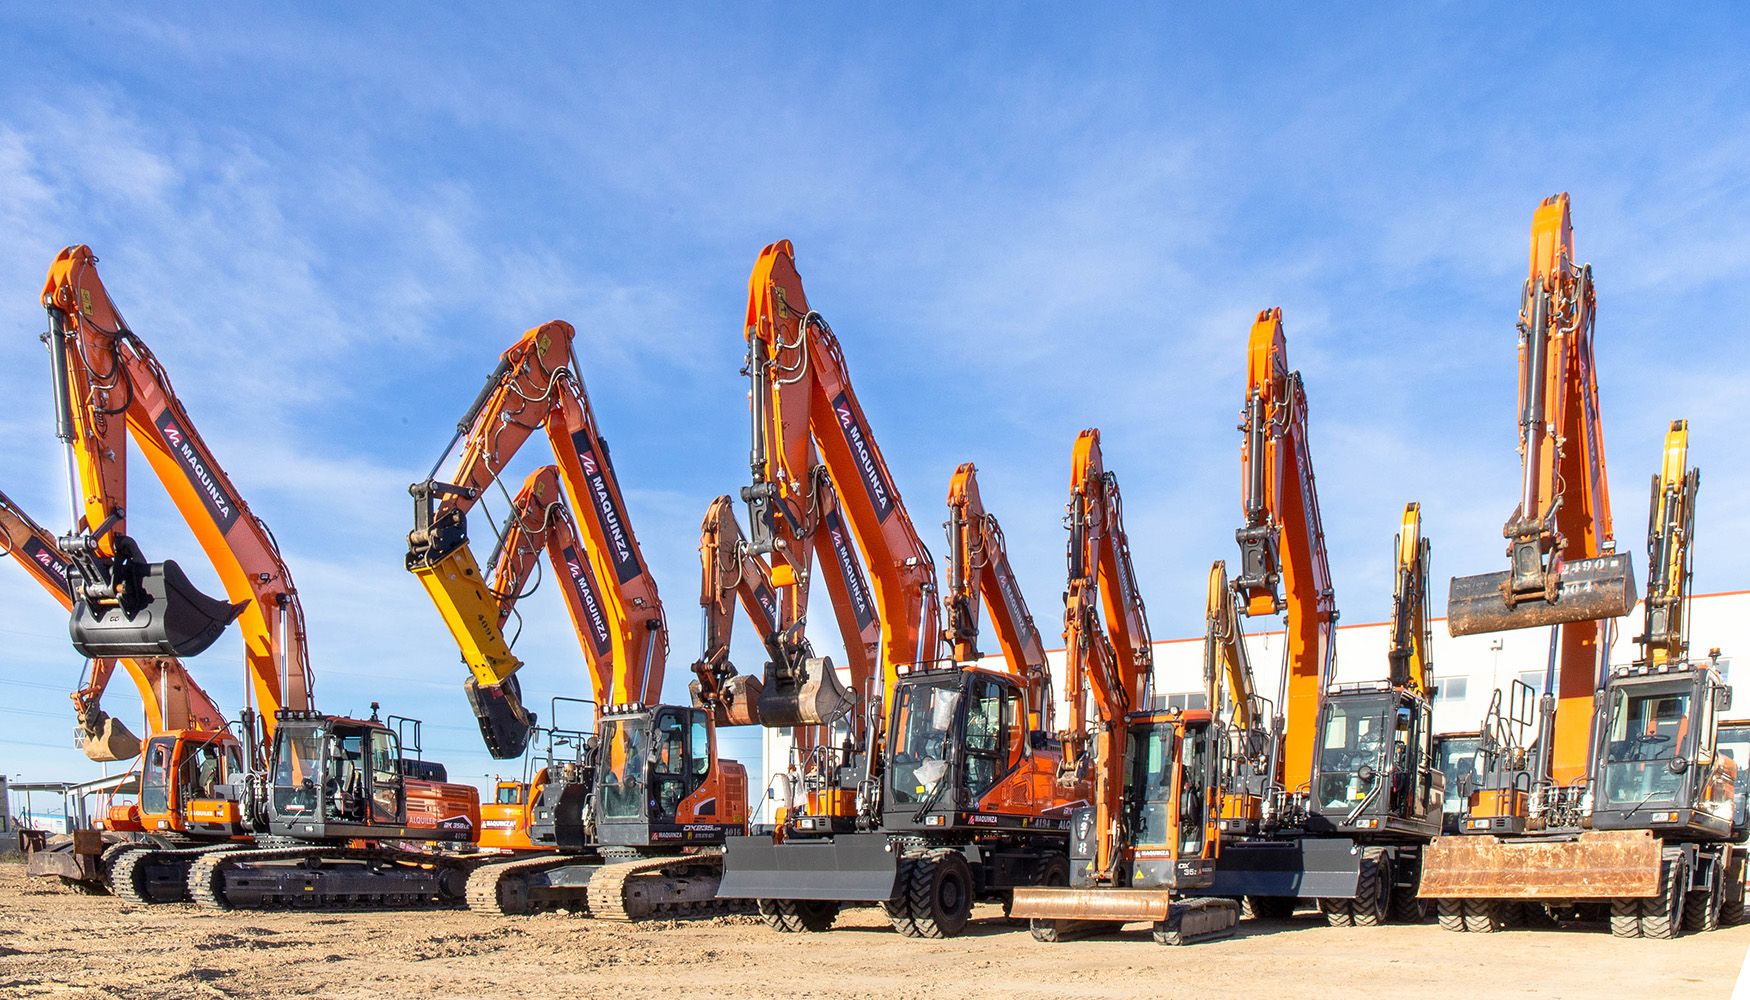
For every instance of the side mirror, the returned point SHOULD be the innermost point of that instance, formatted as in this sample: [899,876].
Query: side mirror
[1678,765]
[1723,698]
[1366,772]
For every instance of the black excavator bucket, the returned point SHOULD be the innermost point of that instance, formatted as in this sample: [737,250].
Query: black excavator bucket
[1590,589]
[161,614]
[805,694]
[505,724]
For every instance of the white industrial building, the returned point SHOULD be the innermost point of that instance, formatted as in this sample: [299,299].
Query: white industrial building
[1467,670]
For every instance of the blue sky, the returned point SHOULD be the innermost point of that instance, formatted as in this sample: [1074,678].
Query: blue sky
[1021,221]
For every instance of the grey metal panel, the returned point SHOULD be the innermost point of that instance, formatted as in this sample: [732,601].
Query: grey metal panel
[1311,867]
[852,867]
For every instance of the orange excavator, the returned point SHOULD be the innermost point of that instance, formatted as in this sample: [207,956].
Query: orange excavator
[919,785]
[1658,820]
[627,828]
[1151,834]
[1358,851]
[189,749]
[326,781]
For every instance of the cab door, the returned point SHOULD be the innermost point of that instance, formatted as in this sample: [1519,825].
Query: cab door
[388,786]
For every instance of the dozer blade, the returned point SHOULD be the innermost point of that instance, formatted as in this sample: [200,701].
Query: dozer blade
[860,867]
[1595,865]
[1124,905]
[738,704]
[505,724]
[1590,589]
[173,618]
[111,741]
[809,695]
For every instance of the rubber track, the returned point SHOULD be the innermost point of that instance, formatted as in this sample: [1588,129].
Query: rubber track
[205,877]
[607,889]
[483,882]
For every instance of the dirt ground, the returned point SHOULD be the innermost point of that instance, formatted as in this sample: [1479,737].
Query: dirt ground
[56,943]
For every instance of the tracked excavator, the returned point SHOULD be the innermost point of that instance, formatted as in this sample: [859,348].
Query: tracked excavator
[1150,838]
[315,783]
[1357,851]
[919,786]
[1655,843]
[188,747]
[628,827]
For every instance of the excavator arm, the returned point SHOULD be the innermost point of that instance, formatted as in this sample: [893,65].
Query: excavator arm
[537,387]
[1563,564]
[109,385]
[1670,525]
[978,567]
[1227,668]
[1284,566]
[803,406]
[172,700]
[1108,662]
[1411,652]
[730,573]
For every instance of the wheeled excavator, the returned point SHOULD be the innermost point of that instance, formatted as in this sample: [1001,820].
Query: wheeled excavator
[628,827]
[920,785]
[188,747]
[1357,848]
[1654,846]
[315,784]
[1150,838]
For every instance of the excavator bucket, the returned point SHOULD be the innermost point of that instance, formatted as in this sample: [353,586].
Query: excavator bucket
[111,741]
[739,702]
[505,724]
[808,695]
[169,618]
[1590,589]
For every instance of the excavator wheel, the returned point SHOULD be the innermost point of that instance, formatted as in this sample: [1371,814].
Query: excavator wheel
[1625,918]
[1338,912]
[1053,872]
[939,895]
[1662,915]
[1701,907]
[1407,907]
[799,916]
[1482,916]
[1271,907]
[1372,889]
[898,909]
[1450,913]
[1732,891]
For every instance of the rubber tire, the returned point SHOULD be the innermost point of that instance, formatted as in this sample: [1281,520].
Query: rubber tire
[1482,916]
[898,909]
[1732,891]
[1372,889]
[1625,918]
[773,916]
[1662,916]
[1053,872]
[1271,907]
[941,896]
[809,916]
[1450,913]
[1338,912]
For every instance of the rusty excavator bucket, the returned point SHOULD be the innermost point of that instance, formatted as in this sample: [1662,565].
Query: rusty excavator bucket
[1588,590]
[106,739]
[808,693]
[156,611]
[505,724]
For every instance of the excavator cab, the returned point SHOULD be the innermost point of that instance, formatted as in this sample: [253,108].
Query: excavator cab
[177,770]
[1659,765]
[333,778]
[1375,772]
[655,781]
[1165,843]
[125,606]
[1456,756]
[956,734]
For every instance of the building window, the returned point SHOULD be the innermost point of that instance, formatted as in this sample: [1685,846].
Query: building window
[1183,701]
[1448,690]
[1532,679]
